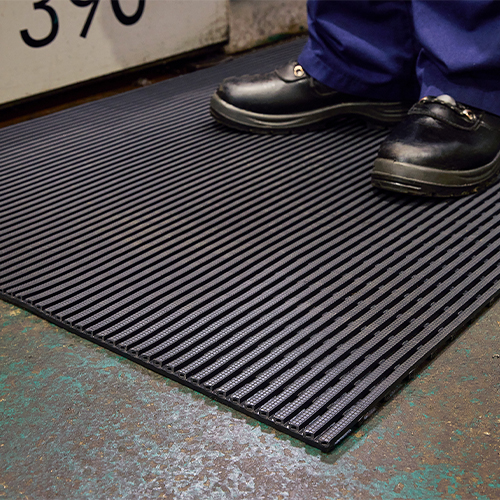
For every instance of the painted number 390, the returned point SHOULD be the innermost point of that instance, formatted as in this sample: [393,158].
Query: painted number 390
[43,5]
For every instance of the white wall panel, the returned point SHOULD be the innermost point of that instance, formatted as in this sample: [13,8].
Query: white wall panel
[114,40]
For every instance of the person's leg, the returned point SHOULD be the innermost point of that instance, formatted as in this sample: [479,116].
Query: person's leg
[359,60]
[363,48]
[460,51]
[449,144]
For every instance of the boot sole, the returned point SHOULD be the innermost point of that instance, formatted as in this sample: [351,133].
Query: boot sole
[424,181]
[379,113]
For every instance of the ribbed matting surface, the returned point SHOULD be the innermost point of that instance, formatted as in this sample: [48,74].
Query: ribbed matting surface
[263,271]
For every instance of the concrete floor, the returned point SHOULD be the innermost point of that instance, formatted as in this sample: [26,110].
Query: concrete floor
[80,422]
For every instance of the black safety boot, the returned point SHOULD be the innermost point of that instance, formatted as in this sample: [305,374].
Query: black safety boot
[289,100]
[442,148]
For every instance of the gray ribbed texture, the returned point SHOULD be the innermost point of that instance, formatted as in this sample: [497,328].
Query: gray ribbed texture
[264,271]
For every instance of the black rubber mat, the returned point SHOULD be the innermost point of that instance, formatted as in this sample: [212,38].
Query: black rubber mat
[263,271]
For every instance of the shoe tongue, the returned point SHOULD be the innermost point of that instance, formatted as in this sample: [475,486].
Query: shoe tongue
[447,99]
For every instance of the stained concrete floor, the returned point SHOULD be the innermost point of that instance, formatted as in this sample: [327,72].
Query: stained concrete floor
[79,422]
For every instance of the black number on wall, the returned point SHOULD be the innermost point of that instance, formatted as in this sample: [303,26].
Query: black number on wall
[88,22]
[32,42]
[119,14]
[124,19]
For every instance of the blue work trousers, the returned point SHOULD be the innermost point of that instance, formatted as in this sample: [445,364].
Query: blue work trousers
[405,50]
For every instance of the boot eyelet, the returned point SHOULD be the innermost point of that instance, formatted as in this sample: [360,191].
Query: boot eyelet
[298,71]
[468,114]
